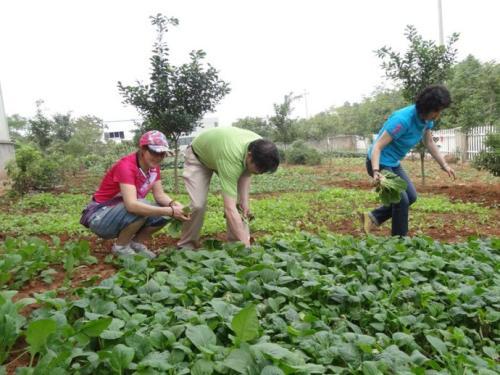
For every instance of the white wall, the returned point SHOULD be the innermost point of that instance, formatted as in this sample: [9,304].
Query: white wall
[4,129]
[6,146]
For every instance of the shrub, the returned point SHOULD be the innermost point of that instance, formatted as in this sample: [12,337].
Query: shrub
[489,159]
[31,170]
[282,155]
[300,153]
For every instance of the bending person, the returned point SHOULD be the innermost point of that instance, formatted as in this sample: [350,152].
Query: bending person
[401,132]
[235,155]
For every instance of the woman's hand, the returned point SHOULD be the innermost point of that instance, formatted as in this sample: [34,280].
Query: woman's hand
[178,212]
[449,170]
[377,176]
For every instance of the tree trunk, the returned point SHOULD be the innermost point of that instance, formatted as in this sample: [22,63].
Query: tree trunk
[176,172]
[422,167]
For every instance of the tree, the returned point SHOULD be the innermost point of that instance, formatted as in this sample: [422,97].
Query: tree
[258,125]
[177,97]
[18,127]
[281,122]
[62,126]
[317,127]
[423,64]
[86,138]
[476,94]
[489,159]
[40,128]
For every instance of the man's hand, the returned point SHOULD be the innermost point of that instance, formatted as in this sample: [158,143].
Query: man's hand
[244,211]
[449,170]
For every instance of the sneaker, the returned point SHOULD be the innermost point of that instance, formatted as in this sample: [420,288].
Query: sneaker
[140,248]
[122,250]
[366,222]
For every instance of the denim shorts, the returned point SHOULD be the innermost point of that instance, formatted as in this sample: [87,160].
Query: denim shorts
[108,221]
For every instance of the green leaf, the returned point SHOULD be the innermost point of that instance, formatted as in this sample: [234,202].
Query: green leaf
[201,336]
[37,333]
[174,228]
[272,370]
[437,344]
[156,360]
[246,324]
[94,328]
[491,352]
[202,367]
[390,188]
[370,368]
[121,356]
[239,360]
[113,330]
[273,350]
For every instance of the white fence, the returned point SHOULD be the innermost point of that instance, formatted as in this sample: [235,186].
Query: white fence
[453,141]
[476,138]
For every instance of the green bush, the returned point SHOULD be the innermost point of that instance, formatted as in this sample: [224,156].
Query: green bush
[31,170]
[300,153]
[282,154]
[490,159]
[100,163]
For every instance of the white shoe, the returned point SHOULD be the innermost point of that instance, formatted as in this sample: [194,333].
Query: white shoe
[122,250]
[140,248]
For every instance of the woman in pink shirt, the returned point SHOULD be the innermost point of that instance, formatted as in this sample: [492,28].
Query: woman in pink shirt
[119,209]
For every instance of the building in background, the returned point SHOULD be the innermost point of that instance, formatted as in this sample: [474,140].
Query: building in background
[119,130]
[123,130]
[6,146]
[206,123]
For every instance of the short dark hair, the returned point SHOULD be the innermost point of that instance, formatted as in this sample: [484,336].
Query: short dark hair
[432,99]
[265,155]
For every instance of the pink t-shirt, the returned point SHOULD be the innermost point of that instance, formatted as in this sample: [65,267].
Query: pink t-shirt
[126,171]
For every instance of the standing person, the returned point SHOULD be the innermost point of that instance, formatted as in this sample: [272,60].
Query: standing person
[118,208]
[401,132]
[234,154]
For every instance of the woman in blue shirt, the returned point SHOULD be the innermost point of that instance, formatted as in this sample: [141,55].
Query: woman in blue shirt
[400,133]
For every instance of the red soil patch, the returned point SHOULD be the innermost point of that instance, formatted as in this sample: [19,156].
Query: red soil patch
[487,195]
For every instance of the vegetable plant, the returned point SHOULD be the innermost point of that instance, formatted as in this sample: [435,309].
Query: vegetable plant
[389,188]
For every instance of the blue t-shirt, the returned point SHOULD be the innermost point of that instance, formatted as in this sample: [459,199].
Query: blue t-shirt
[406,130]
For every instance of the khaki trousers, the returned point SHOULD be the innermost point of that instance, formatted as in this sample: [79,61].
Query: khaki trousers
[197,181]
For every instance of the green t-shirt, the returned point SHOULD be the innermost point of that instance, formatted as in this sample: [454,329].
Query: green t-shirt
[224,150]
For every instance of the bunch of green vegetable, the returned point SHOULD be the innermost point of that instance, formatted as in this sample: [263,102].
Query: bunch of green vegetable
[174,227]
[389,188]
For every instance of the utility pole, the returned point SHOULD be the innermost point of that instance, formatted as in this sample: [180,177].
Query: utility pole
[440,20]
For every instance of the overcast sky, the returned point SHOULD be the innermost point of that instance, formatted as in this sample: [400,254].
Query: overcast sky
[72,53]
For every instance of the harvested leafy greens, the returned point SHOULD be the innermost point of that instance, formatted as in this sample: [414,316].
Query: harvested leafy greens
[390,187]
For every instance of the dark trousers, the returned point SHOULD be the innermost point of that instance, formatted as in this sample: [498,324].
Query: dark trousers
[398,212]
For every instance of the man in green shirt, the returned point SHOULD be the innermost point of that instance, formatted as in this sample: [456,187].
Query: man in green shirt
[234,154]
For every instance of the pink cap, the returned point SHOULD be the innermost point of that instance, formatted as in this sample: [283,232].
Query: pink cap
[155,140]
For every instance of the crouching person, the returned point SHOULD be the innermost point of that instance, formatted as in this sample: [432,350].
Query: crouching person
[118,208]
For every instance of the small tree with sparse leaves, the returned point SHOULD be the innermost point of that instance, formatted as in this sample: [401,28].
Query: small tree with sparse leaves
[424,63]
[177,97]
